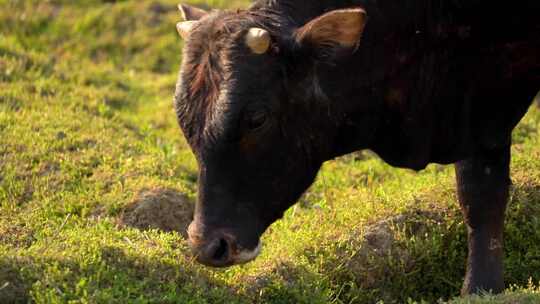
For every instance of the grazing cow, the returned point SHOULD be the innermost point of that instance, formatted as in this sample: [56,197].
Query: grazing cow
[267,94]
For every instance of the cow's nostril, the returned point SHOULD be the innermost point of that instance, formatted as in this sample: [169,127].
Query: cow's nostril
[222,250]
[218,252]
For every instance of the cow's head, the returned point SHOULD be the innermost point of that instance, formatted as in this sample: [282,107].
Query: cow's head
[253,110]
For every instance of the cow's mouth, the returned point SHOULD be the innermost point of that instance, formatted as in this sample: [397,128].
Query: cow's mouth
[245,256]
[222,253]
[222,250]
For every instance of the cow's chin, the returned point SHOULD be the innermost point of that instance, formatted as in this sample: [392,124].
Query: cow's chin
[244,256]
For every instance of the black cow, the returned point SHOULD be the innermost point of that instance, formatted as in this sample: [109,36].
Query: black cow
[267,94]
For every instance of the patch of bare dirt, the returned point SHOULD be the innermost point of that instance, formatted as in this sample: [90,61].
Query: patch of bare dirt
[381,236]
[163,209]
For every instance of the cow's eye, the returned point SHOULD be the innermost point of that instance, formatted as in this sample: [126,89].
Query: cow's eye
[257,120]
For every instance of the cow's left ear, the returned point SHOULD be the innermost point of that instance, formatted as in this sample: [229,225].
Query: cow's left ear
[336,30]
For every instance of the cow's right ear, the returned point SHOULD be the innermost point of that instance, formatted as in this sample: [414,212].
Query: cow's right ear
[191,16]
[333,32]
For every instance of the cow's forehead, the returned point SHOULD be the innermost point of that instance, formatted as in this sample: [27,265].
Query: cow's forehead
[216,69]
[203,56]
[205,69]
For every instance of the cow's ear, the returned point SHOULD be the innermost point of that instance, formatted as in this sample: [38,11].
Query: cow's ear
[335,31]
[191,16]
[191,13]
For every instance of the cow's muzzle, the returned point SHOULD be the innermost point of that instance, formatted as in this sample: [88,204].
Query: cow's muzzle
[220,249]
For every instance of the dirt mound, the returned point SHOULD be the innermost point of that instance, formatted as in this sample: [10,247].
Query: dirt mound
[378,256]
[384,239]
[164,209]
[381,237]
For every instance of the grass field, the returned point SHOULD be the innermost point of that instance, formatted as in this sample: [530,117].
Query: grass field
[88,134]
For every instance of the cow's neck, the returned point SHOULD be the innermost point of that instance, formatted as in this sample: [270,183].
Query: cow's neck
[382,94]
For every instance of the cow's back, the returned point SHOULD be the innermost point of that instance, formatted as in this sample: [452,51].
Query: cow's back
[456,76]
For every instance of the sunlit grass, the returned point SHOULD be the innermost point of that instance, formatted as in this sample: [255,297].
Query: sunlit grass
[86,124]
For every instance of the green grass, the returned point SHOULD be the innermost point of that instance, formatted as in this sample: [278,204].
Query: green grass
[86,125]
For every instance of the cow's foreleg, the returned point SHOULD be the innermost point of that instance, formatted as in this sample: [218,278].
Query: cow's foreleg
[483,182]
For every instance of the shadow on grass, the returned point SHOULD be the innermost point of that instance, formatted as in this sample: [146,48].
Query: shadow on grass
[114,277]
[13,288]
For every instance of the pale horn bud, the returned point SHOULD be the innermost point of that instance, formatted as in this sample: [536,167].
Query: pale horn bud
[258,40]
